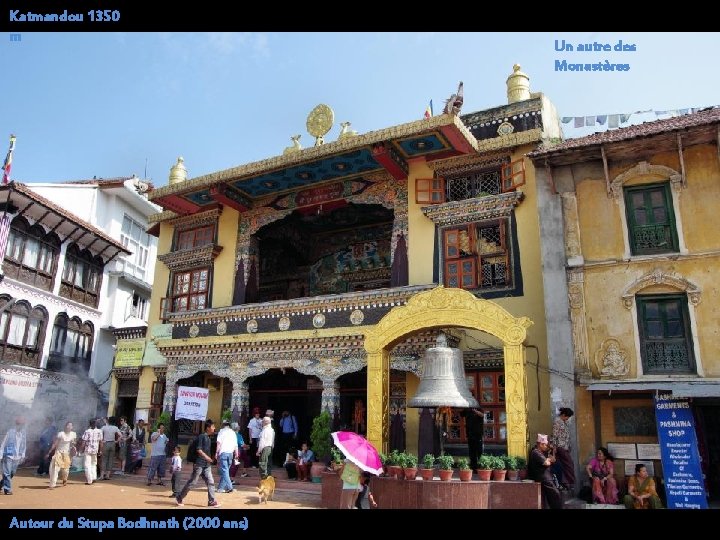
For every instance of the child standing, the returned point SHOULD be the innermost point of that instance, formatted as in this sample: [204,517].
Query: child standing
[176,468]
[365,497]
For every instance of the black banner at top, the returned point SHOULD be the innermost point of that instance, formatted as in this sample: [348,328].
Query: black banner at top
[19,16]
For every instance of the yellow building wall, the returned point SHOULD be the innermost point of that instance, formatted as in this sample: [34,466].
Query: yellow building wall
[699,203]
[421,230]
[147,378]
[224,265]
[112,396]
[584,419]
[602,240]
[161,277]
[530,304]
[215,400]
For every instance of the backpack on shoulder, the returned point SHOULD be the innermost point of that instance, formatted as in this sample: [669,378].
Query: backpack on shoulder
[192,450]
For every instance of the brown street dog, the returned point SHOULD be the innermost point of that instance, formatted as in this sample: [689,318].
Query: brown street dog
[266,489]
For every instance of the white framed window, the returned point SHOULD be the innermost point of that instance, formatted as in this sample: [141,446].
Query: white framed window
[134,237]
[140,306]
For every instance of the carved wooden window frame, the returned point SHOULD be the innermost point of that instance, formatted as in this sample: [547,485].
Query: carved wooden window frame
[494,409]
[194,237]
[684,324]
[512,175]
[22,352]
[430,190]
[48,250]
[60,362]
[453,254]
[90,268]
[670,225]
[190,294]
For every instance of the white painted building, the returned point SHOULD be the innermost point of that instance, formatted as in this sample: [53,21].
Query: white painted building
[77,267]
[119,207]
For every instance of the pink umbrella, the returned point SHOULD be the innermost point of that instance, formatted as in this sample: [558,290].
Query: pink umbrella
[358,450]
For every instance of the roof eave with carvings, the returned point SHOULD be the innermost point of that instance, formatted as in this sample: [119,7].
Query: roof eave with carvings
[178,260]
[318,152]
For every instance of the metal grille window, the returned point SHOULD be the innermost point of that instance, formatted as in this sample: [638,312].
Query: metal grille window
[651,220]
[665,338]
[476,184]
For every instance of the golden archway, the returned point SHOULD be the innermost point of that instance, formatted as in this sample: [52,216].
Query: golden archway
[445,308]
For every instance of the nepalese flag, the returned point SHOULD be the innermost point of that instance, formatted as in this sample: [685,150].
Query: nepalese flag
[429,110]
[8,161]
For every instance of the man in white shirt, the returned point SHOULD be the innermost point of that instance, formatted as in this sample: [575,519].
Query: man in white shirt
[265,447]
[226,451]
[92,439]
[254,429]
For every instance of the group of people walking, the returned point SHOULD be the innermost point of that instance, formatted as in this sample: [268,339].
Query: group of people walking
[102,445]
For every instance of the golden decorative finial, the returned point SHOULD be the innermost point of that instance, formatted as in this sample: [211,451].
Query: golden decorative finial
[518,85]
[295,145]
[346,132]
[178,172]
[319,122]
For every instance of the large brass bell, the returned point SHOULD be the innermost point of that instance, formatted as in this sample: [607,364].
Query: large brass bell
[442,379]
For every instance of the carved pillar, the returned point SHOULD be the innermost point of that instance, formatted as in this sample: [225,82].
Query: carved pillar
[171,379]
[400,216]
[576,295]
[515,399]
[240,395]
[573,248]
[378,392]
[330,399]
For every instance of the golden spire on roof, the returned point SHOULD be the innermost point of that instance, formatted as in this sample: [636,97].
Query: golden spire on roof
[518,85]
[178,172]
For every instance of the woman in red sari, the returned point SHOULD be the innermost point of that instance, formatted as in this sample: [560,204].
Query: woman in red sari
[602,474]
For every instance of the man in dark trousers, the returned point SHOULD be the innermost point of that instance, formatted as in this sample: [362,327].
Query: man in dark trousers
[540,470]
[202,467]
[474,429]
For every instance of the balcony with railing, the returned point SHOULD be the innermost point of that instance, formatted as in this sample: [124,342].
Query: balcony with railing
[349,309]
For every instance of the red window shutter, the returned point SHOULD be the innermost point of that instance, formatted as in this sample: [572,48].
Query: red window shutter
[429,190]
[512,175]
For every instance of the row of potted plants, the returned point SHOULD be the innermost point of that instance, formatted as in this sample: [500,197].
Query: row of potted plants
[405,465]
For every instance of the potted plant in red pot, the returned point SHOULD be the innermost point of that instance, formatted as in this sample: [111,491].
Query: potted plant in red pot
[511,466]
[484,470]
[498,468]
[393,464]
[464,470]
[522,467]
[410,466]
[445,463]
[428,470]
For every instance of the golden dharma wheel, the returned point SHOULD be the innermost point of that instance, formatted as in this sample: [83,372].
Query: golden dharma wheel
[320,120]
